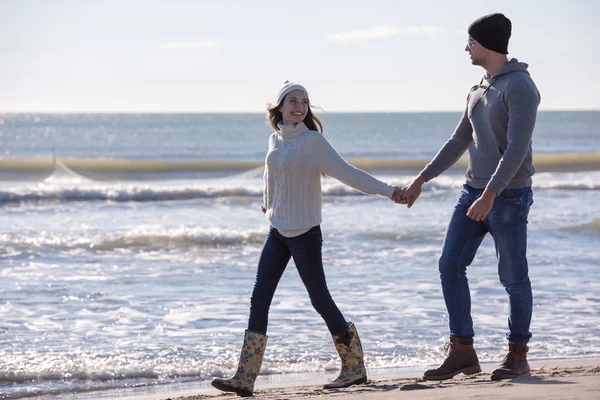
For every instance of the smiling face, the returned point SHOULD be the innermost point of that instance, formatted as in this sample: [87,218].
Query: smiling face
[294,107]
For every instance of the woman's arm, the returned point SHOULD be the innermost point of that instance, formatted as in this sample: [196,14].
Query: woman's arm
[331,163]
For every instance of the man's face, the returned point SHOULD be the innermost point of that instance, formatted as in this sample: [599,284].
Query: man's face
[477,53]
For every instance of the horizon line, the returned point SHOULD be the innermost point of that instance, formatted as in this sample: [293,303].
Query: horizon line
[4,112]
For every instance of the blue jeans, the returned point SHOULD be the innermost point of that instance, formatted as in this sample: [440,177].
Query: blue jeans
[276,253]
[507,223]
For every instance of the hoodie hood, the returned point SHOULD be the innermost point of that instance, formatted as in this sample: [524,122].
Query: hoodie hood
[513,65]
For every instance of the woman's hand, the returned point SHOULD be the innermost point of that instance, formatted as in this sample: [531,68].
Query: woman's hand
[398,196]
[412,191]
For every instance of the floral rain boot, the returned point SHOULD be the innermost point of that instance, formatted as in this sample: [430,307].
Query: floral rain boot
[242,383]
[350,351]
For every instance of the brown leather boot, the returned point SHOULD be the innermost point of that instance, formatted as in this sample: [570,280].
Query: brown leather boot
[514,364]
[461,358]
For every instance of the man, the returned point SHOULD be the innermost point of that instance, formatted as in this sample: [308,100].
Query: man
[496,128]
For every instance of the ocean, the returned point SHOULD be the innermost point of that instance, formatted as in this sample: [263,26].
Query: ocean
[129,245]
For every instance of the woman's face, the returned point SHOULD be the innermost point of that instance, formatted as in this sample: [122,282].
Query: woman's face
[294,107]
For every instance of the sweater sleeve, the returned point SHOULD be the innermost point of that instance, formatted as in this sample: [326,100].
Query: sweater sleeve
[522,103]
[328,160]
[452,150]
[266,183]
[268,180]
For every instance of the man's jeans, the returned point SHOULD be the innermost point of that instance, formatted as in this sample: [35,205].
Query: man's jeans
[507,223]
[276,253]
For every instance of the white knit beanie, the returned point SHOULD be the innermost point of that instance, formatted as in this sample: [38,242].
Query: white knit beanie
[289,87]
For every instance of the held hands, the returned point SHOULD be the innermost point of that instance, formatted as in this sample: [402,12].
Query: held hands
[409,193]
[478,211]
[398,195]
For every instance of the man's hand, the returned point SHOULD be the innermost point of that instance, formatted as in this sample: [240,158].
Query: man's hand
[480,209]
[412,191]
[264,209]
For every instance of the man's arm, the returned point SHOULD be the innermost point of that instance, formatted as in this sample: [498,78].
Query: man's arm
[452,150]
[448,155]
[522,103]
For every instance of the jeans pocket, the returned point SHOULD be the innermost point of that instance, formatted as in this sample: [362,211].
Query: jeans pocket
[527,202]
[464,199]
[510,200]
[507,208]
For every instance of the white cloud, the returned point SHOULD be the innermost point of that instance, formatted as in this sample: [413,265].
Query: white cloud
[363,34]
[189,45]
[382,31]
[424,29]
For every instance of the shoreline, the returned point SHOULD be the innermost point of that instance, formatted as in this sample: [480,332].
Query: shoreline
[550,379]
[578,161]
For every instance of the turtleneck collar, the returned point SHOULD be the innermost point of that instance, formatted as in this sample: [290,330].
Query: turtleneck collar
[291,131]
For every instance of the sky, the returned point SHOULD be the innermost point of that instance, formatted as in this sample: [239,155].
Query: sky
[232,56]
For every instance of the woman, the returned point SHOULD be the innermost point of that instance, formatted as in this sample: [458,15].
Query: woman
[298,155]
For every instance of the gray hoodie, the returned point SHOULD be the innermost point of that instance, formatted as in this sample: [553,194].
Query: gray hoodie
[496,128]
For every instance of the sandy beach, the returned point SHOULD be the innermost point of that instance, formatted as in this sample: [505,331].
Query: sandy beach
[553,380]
[155,306]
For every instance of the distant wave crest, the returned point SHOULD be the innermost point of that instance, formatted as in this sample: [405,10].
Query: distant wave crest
[120,193]
[158,192]
[175,238]
[593,226]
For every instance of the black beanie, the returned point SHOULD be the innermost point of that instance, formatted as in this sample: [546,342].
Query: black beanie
[492,32]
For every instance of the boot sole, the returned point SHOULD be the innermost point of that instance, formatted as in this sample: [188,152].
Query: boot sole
[467,371]
[498,377]
[227,388]
[356,382]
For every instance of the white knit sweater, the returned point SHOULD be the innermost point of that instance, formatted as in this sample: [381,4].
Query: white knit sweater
[293,167]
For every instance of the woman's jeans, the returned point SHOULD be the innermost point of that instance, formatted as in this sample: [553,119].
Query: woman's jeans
[306,251]
[507,223]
